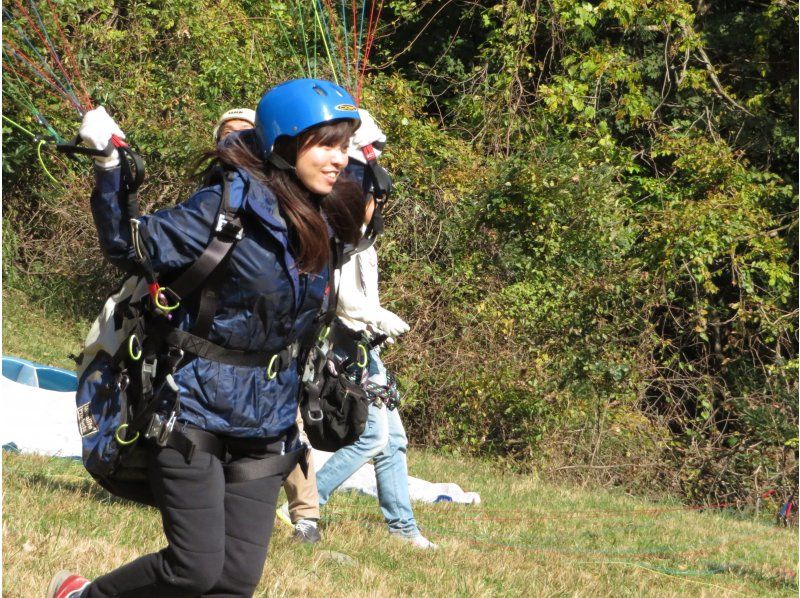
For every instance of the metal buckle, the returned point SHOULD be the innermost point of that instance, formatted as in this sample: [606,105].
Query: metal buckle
[159,429]
[123,380]
[313,417]
[229,228]
[149,368]
[154,426]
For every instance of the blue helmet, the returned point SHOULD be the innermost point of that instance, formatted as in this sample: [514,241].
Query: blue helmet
[292,107]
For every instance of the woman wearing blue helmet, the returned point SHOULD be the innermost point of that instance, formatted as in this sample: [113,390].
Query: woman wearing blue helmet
[267,295]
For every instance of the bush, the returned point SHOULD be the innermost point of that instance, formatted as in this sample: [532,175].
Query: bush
[592,232]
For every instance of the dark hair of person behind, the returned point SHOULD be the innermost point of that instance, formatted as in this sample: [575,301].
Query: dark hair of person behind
[300,207]
[344,207]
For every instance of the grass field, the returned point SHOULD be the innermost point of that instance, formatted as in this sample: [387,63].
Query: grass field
[527,538]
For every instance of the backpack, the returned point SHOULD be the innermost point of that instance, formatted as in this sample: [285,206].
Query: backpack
[127,396]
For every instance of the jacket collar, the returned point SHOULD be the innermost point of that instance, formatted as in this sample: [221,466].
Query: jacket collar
[260,200]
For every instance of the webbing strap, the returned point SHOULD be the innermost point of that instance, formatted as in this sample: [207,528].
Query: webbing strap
[223,239]
[196,274]
[246,470]
[337,258]
[204,348]
[209,300]
[190,440]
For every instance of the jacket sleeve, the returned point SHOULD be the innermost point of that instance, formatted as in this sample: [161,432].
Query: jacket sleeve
[174,237]
[352,302]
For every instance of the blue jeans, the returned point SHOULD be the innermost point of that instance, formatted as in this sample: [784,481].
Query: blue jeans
[384,440]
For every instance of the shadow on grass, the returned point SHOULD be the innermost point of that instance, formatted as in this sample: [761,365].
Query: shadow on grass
[55,482]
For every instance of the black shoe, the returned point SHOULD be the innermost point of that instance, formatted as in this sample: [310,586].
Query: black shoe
[306,531]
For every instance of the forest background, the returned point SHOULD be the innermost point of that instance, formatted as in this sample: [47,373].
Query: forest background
[593,234]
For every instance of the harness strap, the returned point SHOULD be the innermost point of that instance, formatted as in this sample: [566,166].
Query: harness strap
[196,274]
[244,471]
[204,348]
[337,259]
[190,439]
[228,230]
[209,300]
[315,358]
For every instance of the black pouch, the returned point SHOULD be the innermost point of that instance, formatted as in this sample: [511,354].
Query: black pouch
[344,407]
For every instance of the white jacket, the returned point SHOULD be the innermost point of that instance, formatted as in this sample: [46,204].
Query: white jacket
[359,306]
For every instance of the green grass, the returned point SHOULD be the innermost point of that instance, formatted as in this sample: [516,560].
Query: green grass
[32,333]
[527,538]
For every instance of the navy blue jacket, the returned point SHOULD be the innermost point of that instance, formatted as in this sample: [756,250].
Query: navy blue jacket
[264,303]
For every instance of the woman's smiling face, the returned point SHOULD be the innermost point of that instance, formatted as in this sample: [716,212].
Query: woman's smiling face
[318,166]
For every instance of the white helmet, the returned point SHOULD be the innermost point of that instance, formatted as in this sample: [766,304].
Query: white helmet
[235,114]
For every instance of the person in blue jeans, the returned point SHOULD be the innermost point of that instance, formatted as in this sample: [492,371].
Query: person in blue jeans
[384,438]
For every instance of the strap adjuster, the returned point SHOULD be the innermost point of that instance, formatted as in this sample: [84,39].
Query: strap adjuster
[149,367]
[229,228]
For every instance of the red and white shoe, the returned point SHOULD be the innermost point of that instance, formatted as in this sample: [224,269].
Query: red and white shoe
[66,584]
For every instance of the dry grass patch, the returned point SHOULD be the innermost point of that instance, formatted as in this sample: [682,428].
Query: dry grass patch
[527,538]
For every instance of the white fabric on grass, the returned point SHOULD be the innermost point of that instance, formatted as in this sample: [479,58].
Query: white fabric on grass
[38,420]
[363,481]
[45,422]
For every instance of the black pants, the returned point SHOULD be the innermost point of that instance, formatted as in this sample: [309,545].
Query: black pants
[218,533]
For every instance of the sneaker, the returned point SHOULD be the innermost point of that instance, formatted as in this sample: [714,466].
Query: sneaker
[306,531]
[66,584]
[283,514]
[418,541]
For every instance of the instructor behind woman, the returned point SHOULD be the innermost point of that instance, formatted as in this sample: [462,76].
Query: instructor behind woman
[218,532]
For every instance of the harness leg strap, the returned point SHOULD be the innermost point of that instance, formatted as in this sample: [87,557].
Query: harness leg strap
[246,470]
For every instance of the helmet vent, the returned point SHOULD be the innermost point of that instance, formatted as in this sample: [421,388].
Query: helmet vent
[320,91]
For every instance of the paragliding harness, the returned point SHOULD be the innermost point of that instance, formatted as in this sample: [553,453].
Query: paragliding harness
[334,403]
[136,349]
[336,395]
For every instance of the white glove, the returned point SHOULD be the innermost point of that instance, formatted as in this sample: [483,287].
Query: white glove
[368,133]
[391,324]
[96,131]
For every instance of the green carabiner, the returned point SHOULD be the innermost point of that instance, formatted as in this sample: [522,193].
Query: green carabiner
[270,372]
[165,307]
[362,349]
[323,334]
[124,442]
[135,355]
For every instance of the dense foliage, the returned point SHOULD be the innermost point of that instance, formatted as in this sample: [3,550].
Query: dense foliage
[594,233]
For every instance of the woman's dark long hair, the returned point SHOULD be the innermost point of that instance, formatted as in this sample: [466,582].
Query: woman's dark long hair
[299,206]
